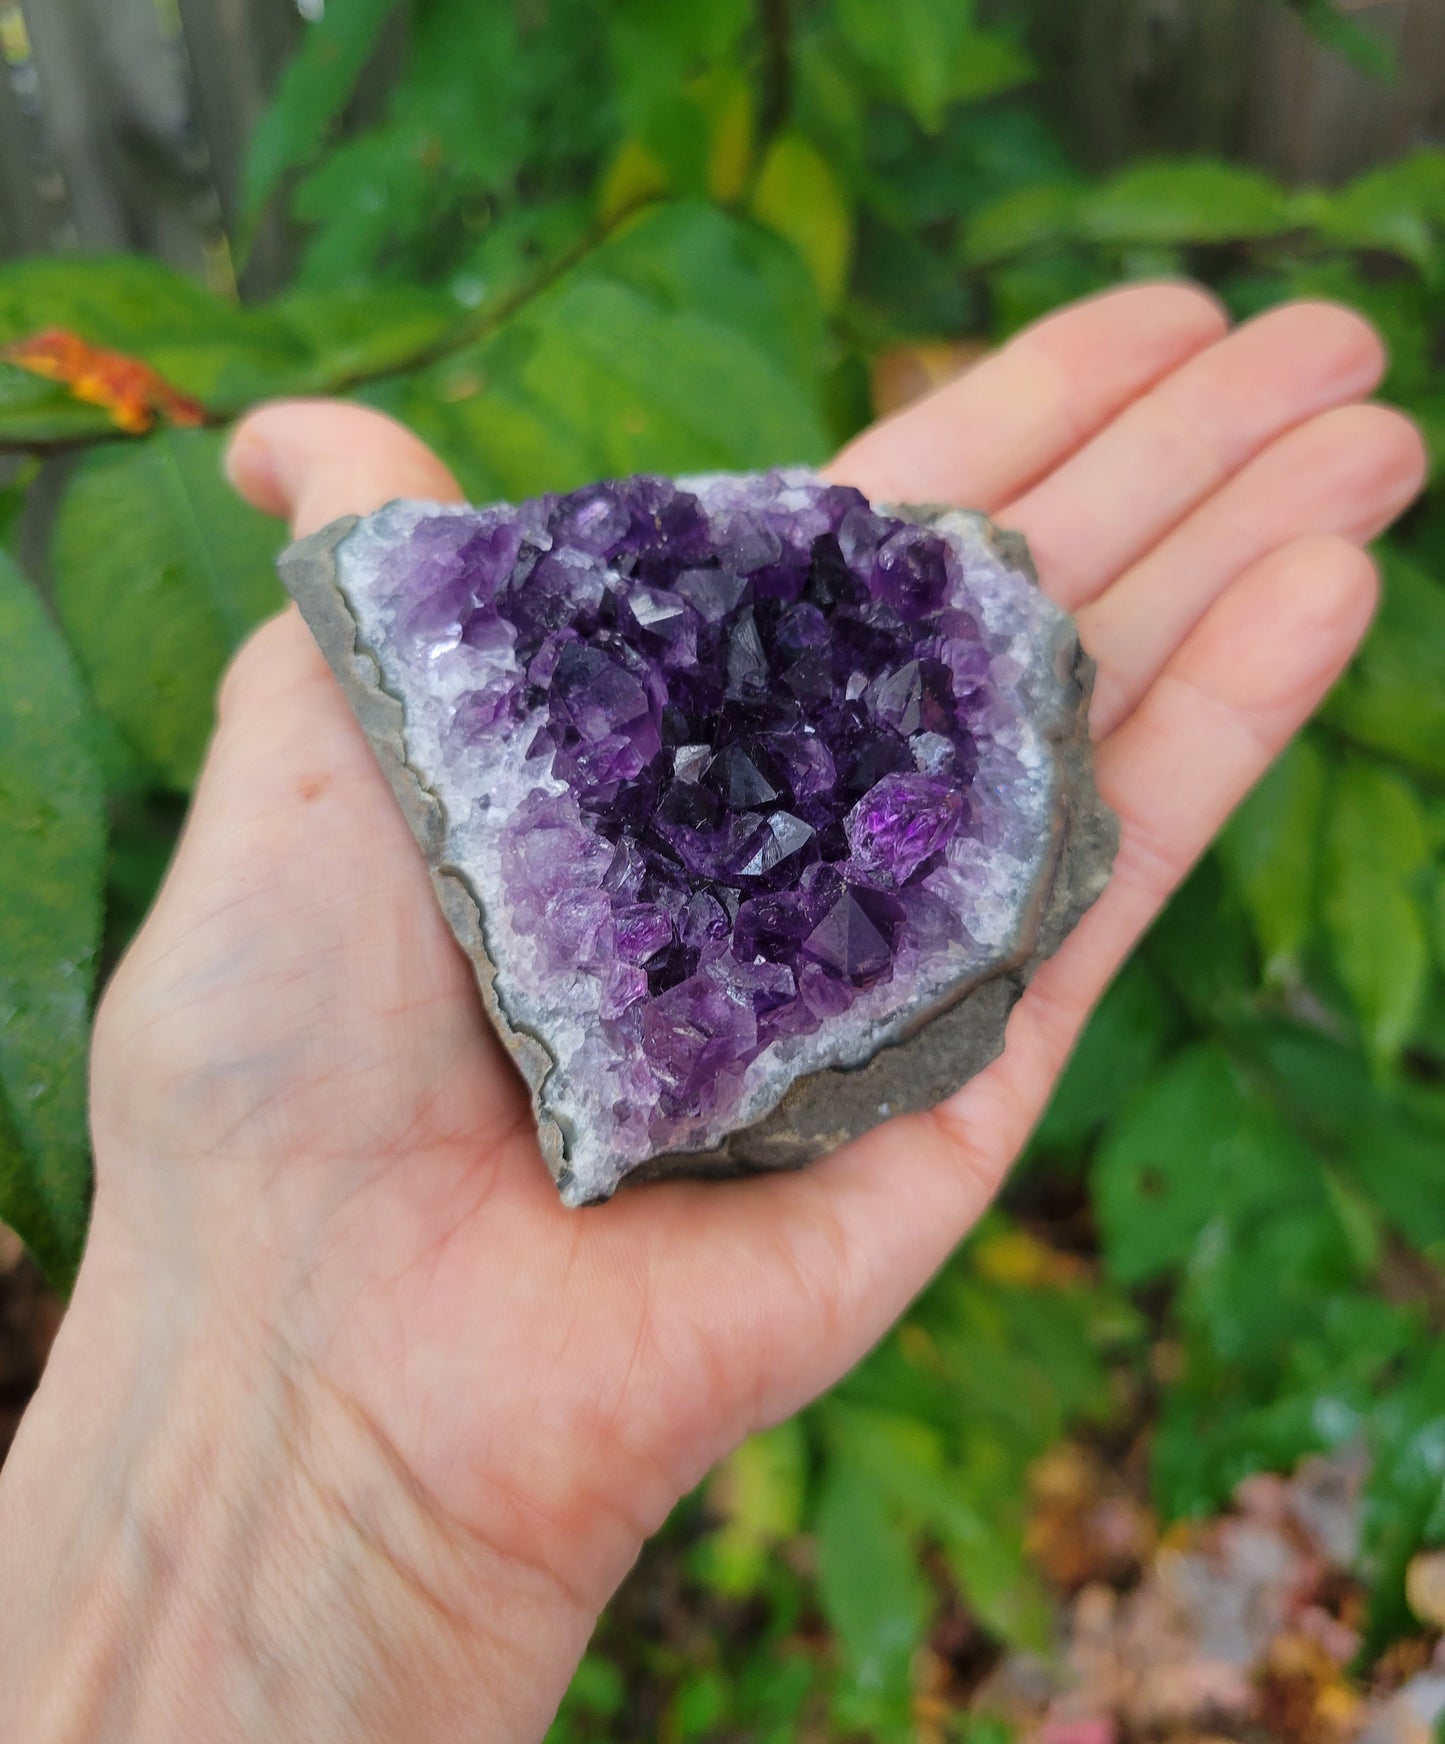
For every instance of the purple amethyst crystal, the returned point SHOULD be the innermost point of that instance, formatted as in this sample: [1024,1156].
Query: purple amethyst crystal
[729,784]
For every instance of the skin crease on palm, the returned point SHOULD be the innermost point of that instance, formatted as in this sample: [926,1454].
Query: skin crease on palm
[350,1419]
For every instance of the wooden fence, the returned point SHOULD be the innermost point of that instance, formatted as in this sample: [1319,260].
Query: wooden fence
[123,122]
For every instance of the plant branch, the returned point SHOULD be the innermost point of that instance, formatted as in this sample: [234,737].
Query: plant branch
[472,331]
[777,67]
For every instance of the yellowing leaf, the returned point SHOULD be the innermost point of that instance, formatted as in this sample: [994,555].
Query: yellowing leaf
[634,176]
[758,1492]
[798,196]
[132,392]
[729,104]
[1015,1258]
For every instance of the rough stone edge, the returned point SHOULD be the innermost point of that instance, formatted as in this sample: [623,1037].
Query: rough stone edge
[928,1060]
[309,570]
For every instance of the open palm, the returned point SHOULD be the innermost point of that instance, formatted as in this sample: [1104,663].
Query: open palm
[301,1112]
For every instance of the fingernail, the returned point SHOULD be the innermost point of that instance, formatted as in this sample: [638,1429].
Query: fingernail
[249,464]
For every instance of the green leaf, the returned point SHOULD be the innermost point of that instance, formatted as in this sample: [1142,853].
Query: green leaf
[799,196]
[690,342]
[160,572]
[1204,947]
[656,45]
[597,1688]
[1028,218]
[930,56]
[33,410]
[1389,1149]
[1124,1039]
[871,1589]
[14,495]
[1437,915]
[1271,850]
[1190,200]
[313,92]
[52,858]
[1193,1147]
[1377,846]
[1392,699]
[701,1705]
[1399,207]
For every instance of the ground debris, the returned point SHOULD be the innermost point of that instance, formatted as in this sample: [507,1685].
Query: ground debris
[1243,1626]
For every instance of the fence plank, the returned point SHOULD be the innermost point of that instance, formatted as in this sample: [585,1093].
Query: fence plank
[1241,78]
[147,127]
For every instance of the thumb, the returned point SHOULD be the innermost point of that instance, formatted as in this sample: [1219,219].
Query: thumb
[310,461]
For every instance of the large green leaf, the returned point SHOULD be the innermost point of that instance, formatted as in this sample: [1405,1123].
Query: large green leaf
[1271,849]
[1378,848]
[52,860]
[691,342]
[313,92]
[160,571]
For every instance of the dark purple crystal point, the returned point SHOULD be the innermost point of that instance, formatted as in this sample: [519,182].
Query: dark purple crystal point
[743,776]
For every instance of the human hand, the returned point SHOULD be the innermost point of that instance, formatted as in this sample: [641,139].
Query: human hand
[371,1426]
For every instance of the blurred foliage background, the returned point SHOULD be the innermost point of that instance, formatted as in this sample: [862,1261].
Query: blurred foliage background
[567,241]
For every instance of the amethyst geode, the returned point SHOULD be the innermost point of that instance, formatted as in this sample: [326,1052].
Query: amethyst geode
[729,786]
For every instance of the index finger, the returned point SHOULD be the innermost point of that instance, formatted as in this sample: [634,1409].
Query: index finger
[982,439]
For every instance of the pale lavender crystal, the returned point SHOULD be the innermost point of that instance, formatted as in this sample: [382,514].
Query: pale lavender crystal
[744,774]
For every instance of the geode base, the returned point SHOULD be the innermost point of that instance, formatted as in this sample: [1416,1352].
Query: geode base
[755,807]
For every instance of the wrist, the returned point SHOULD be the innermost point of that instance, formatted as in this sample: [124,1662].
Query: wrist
[200,1540]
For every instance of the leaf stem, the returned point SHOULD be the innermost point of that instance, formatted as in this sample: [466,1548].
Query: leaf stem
[777,67]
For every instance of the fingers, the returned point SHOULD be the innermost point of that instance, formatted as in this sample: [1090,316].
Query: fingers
[1226,704]
[310,461]
[1348,472]
[1179,442]
[987,436]
[854,1237]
